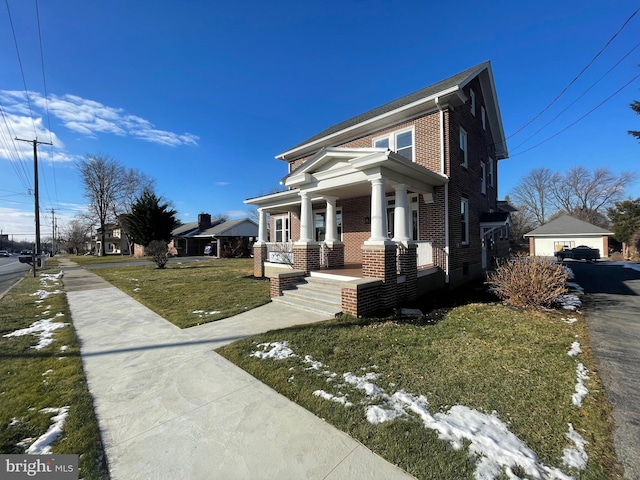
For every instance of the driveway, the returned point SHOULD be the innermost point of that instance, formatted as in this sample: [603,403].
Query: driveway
[613,320]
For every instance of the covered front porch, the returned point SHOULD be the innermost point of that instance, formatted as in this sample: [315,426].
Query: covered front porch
[337,202]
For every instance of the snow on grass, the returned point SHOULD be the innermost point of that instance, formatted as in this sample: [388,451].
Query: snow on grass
[569,272]
[277,351]
[204,313]
[569,320]
[574,350]
[490,441]
[569,301]
[44,294]
[576,456]
[575,287]
[43,329]
[42,445]
[333,398]
[581,391]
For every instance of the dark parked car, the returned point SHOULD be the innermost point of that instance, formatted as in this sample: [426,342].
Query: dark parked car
[581,252]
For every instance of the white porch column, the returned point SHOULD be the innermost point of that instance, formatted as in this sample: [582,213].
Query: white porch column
[379,230]
[401,215]
[262,226]
[306,218]
[331,234]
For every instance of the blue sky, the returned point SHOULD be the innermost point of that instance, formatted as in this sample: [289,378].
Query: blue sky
[201,95]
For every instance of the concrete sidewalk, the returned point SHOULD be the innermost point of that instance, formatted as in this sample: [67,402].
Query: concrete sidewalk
[169,407]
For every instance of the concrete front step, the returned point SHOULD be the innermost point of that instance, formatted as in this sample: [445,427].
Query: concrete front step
[317,295]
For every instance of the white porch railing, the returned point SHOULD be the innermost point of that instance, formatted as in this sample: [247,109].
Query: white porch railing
[280,252]
[424,254]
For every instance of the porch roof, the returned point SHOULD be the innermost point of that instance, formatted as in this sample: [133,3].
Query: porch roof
[346,173]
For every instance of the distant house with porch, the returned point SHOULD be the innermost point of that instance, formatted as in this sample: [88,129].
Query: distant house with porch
[231,238]
[115,240]
[402,198]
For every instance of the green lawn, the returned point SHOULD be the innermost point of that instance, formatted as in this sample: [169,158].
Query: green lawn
[52,377]
[189,294]
[487,357]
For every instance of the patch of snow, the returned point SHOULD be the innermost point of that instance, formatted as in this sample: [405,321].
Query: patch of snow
[278,351]
[42,445]
[569,272]
[43,294]
[569,320]
[47,373]
[137,289]
[64,348]
[313,364]
[574,350]
[377,414]
[327,396]
[581,390]
[576,456]
[42,328]
[364,383]
[569,301]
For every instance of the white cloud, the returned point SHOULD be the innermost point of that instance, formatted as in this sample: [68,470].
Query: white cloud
[20,126]
[89,117]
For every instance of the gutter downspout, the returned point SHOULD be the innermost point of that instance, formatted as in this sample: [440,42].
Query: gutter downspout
[446,193]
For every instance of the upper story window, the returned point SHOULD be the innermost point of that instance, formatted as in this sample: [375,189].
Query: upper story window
[464,161]
[483,178]
[400,142]
[483,116]
[472,96]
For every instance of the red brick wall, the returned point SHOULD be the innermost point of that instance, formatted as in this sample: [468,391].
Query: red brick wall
[355,230]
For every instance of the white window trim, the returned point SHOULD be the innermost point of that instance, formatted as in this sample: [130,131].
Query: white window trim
[483,178]
[465,202]
[391,136]
[472,96]
[465,148]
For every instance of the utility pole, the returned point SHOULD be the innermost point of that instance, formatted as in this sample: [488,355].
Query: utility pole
[53,232]
[35,144]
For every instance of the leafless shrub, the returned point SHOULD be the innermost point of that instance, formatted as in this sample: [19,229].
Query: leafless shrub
[532,282]
[159,251]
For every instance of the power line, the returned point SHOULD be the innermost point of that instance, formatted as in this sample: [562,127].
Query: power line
[24,82]
[578,98]
[582,117]
[46,104]
[577,77]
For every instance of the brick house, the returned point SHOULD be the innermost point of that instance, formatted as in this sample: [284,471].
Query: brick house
[394,202]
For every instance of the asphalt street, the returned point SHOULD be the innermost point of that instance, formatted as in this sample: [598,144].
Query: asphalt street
[612,308]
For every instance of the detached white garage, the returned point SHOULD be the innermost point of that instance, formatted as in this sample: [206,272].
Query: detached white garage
[569,232]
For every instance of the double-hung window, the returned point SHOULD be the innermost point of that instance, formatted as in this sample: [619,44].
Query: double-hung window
[483,178]
[464,221]
[400,142]
[464,161]
[483,116]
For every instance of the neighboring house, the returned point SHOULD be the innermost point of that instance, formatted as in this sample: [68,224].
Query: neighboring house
[569,232]
[115,240]
[406,194]
[226,238]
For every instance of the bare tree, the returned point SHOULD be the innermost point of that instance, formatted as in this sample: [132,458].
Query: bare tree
[76,234]
[104,182]
[587,195]
[532,195]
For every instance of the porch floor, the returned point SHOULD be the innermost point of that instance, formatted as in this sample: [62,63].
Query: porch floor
[350,271]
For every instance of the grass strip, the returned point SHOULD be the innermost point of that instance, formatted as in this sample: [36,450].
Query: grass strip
[487,357]
[190,294]
[50,377]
